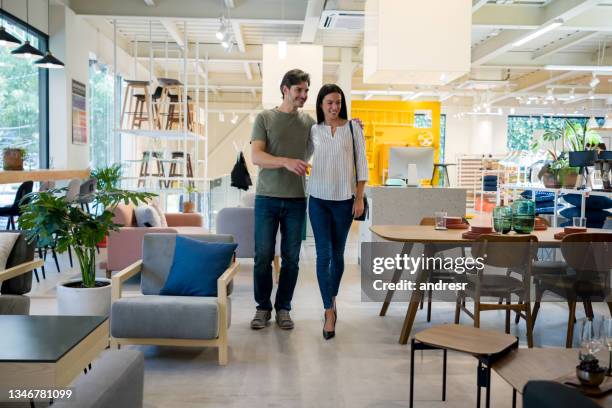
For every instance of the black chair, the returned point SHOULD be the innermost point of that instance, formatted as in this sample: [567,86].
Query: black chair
[551,394]
[13,210]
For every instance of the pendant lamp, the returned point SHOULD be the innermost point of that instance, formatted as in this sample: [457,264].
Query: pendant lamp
[26,50]
[49,61]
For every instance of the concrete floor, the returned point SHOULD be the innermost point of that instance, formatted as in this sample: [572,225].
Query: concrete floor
[362,367]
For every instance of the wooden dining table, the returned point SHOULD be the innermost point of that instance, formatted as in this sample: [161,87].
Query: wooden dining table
[429,237]
[13,176]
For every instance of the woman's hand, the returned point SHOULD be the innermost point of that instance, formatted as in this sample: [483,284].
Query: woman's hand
[358,207]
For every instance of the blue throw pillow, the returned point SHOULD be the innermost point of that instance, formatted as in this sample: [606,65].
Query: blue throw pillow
[541,196]
[595,218]
[594,202]
[196,267]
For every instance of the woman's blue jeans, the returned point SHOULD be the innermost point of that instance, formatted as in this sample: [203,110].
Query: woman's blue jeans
[331,221]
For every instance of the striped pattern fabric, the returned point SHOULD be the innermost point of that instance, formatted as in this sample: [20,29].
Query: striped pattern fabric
[332,176]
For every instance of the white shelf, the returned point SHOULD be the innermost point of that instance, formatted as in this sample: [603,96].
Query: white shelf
[162,134]
[538,187]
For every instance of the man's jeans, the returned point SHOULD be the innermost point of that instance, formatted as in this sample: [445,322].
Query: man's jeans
[270,213]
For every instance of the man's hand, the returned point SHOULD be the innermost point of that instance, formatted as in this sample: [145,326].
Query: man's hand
[296,166]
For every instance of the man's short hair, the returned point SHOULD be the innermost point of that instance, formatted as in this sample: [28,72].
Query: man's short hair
[294,77]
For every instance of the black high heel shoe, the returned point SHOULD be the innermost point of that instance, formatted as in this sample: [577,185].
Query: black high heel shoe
[328,334]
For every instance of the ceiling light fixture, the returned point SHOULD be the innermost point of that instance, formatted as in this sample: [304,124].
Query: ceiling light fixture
[594,82]
[26,50]
[512,111]
[7,40]
[234,119]
[221,117]
[222,31]
[587,68]
[537,33]
[49,61]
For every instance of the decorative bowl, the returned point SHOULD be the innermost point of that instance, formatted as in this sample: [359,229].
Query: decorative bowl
[590,378]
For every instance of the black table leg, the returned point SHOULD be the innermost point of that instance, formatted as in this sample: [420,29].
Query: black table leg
[412,349]
[488,380]
[478,376]
[444,376]
[514,398]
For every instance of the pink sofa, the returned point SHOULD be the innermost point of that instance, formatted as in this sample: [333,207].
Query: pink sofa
[124,247]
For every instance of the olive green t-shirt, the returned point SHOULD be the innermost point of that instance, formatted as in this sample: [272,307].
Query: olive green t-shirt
[286,135]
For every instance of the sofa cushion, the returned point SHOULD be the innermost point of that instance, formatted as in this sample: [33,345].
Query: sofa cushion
[147,216]
[23,251]
[166,317]
[162,217]
[14,305]
[116,380]
[592,202]
[124,215]
[190,230]
[196,267]
[7,241]
[157,256]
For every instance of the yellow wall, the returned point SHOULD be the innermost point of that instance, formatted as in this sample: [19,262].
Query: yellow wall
[391,124]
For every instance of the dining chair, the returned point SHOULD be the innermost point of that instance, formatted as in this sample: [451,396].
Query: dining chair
[499,251]
[86,194]
[585,278]
[12,211]
[446,276]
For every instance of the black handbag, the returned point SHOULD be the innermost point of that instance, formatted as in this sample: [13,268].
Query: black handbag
[366,208]
[240,174]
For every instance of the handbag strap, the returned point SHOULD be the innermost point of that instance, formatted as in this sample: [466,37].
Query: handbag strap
[354,152]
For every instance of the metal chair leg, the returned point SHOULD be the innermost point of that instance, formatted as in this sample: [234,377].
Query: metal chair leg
[70,255]
[55,259]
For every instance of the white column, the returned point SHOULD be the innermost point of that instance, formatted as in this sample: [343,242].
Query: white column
[345,75]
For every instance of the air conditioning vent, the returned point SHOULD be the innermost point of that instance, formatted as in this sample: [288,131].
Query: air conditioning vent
[342,20]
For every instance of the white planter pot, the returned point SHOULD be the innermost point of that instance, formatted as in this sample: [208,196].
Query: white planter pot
[84,301]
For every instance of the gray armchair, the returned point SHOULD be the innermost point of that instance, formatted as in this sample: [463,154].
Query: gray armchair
[239,222]
[116,379]
[170,320]
[16,279]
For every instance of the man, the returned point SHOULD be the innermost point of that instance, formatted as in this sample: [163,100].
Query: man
[279,144]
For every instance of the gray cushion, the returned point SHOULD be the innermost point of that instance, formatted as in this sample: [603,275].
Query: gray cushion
[239,222]
[157,255]
[14,305]
[22,252]
[166,317]
[116,379]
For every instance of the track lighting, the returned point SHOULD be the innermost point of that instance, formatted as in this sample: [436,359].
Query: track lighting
[594,82]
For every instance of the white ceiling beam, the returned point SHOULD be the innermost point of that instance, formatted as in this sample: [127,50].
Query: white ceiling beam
[174,32]
[563,44]
[247,70]
[149,3]
[529,18]
[237,30]
[477,5]
[531,87]
[311,20]
[558,9]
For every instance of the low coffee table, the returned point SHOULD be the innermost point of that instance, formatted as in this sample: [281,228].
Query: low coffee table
[48,351]
[486,345]
[523,365]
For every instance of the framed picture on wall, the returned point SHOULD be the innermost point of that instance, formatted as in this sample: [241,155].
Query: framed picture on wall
[79,113]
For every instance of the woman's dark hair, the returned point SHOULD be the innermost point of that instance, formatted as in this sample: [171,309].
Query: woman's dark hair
[294,77]
[326,90]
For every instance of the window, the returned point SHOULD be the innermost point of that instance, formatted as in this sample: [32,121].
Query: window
[101,83]
[23,97]
[521,128]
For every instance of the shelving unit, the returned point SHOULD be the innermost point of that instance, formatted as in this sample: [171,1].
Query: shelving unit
[558,192]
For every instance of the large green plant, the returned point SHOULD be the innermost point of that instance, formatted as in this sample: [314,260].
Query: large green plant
[108,177]
[571,136]
[53,221]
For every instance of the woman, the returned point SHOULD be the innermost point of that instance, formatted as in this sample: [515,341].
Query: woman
[335,198]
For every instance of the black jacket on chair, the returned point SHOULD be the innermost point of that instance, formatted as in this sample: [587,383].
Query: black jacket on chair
[551,394]
[240,174]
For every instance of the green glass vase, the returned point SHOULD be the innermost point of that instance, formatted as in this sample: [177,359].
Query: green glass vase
[523,216]
[502,219]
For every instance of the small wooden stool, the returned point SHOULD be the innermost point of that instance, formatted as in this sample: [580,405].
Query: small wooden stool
[143,101]
[486,345]
[144,168]
[176,171]
[170,101]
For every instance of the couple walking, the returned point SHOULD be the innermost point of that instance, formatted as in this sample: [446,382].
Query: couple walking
[283,141]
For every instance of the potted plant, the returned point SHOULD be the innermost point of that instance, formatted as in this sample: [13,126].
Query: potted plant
[51,220]
[12,158]
[582,141]
[188,205]
[108,179]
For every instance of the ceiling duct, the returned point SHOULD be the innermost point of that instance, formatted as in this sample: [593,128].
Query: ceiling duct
[342,20]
